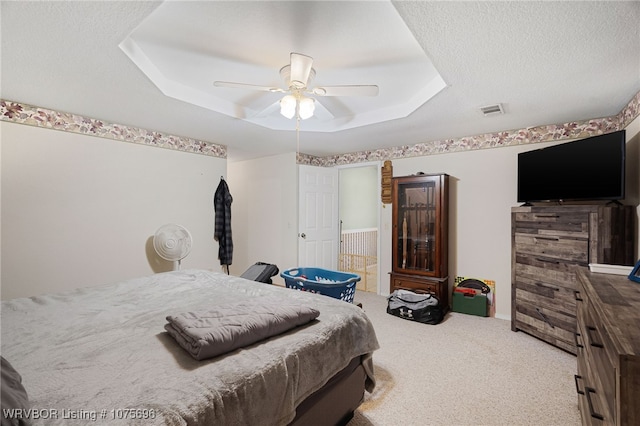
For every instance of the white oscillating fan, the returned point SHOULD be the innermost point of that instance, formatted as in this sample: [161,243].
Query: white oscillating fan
[172,242]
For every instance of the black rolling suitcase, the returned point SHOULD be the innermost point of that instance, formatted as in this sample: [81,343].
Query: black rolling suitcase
[261,272]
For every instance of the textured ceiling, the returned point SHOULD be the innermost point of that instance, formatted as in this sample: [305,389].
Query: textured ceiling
[546,62]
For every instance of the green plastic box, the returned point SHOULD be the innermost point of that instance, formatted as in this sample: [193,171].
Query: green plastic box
[470,304]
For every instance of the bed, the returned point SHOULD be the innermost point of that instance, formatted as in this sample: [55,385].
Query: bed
[102,352]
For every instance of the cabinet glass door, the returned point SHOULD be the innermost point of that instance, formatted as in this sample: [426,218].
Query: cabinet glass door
[416,226]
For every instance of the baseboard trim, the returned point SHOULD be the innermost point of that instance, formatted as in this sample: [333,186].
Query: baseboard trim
[503,317]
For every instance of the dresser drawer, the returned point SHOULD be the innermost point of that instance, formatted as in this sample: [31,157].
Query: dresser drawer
[553,273]
[580,385]
[590,401]
[415,286]
[565,223]
[557,328]
[564,248]
[592,404]
[598,352]
[551,297]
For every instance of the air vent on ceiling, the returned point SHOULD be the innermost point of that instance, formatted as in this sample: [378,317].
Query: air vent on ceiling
[492,109]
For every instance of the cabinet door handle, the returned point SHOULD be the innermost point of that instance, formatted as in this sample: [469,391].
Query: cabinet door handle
[576,377]
[591,341]
[544,317]
[576,294]
[578,345]
[593,413]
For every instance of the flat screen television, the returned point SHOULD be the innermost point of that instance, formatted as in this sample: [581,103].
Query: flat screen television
[587,169]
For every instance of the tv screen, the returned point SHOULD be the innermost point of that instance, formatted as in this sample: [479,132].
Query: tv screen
[587,169]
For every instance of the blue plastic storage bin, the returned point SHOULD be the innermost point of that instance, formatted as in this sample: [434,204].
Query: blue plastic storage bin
[336,284]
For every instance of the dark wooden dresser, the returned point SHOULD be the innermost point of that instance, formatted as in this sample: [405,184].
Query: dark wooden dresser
[608,343]
[548,242]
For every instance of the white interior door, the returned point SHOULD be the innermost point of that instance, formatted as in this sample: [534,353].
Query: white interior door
[318,234]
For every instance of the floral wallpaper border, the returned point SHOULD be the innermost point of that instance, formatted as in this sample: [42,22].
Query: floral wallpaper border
[529,135]
[41,117]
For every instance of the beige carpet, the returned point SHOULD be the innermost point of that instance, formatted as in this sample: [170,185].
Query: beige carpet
[468,370]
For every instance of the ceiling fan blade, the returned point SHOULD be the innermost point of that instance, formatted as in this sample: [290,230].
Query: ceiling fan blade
[271,109]
[363,90]
[247,86]
[300,70]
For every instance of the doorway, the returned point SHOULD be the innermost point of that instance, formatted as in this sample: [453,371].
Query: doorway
[318,230]
[359,201]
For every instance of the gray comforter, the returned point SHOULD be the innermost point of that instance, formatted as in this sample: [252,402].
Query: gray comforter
[206,334]
[102,352]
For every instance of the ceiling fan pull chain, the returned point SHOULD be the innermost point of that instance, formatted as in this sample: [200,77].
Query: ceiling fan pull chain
[297,136]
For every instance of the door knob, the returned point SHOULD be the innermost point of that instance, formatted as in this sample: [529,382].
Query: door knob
[303,235]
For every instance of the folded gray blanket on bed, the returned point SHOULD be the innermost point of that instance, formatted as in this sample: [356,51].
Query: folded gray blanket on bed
[206,334]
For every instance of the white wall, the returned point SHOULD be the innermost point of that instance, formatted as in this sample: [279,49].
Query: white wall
[264,212]
[80,211]
[359,197]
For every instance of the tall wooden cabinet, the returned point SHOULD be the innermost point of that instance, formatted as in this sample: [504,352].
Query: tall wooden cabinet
[548,242]
[420,235]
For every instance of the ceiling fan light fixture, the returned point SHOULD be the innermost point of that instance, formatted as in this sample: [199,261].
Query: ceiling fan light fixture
[288,106]
[306,107]
[298,75]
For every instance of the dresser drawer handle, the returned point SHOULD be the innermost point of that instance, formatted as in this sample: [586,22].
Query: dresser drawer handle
[593,413]
[591,341]
[576,377]
[544,317]
[578,345]
[546,286]
[576,294]
[550,238]
[539,259]
[547,215]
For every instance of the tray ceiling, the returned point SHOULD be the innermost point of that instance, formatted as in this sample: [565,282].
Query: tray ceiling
[354,45]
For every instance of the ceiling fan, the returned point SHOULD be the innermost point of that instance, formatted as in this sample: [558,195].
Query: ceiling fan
[298,76]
